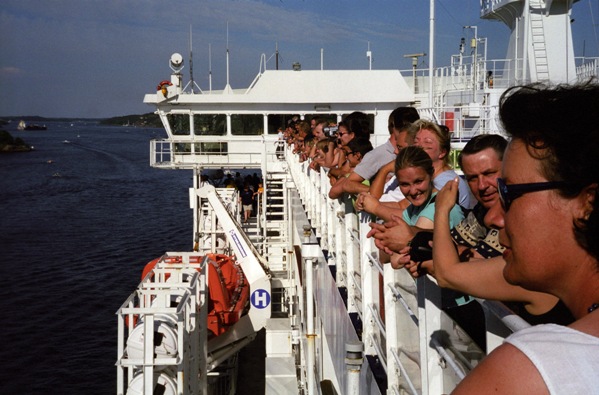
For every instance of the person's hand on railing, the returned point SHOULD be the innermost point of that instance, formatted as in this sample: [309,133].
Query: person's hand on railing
[399,260]
[417,269]
[366,202]
[392,236]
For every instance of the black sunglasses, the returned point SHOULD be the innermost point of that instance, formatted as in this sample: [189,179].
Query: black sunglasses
[509,193]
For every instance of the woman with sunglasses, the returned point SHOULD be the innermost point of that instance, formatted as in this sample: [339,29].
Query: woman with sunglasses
[551,239]
[479,277]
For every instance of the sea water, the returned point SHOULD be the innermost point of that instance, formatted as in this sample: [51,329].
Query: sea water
[80,217]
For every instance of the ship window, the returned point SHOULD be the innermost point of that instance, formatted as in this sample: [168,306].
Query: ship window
[331,119]
[210,124]
[276,121]
[211,148]
[179,124]
[247,124]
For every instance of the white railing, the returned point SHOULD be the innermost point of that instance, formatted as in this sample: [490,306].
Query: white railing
[420,349]
[589,68]
[220,152]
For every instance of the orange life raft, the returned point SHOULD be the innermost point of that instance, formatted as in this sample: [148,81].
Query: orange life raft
[228,288]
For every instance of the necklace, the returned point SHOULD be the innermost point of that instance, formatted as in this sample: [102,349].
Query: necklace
[593,307]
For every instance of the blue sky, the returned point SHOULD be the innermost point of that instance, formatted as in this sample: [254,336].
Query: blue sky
[97,58]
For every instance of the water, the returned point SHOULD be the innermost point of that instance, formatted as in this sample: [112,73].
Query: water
[78,222]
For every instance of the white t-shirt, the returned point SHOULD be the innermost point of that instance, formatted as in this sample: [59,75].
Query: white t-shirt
[567,359]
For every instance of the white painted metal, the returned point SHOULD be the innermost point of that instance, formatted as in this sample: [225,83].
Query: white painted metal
[408,340]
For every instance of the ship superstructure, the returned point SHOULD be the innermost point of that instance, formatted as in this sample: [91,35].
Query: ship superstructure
[335,319]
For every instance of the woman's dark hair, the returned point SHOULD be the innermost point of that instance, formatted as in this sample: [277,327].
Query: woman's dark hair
[357,123]
[414,156]
[560,126]
[361,145]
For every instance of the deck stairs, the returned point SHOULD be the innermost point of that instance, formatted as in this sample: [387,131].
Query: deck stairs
[278,245]
[539,45]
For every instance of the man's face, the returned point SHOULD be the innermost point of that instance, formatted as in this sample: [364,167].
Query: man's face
[401,140]
[481,171]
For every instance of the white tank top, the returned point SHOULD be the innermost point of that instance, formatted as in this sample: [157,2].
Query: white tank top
[567,359]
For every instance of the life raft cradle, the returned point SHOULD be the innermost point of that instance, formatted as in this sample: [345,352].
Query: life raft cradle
[228,289]
[173,289]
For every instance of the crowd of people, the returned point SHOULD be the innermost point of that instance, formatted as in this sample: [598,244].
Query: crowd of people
[521,226]
[249,187]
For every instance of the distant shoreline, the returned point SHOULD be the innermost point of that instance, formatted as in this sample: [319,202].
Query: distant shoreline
[138,120]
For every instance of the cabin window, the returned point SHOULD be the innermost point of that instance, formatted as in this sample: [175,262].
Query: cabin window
[209,124]
[331,119]
[179,124]
[276,121]
[211,148]
[247,124]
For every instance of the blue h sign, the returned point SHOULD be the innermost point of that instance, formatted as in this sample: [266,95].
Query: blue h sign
[260,299]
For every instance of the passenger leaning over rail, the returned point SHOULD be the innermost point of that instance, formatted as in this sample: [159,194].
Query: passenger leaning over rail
[551,235]
[436,141]
[481,277]
[355,151]
[474,242]
[414,171]
[381,155]
[355,125]
[394,235]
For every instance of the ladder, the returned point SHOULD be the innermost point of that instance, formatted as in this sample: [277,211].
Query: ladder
[539,45]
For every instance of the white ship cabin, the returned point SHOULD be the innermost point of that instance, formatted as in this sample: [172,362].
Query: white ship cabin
[232,127]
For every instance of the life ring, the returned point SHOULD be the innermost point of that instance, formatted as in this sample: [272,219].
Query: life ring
[162,83]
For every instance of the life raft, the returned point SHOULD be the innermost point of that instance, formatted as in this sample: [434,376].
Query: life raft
[228,290]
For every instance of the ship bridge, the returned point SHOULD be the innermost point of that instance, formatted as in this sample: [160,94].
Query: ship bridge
[238,127]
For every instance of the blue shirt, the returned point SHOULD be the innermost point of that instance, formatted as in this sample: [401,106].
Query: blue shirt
[427,210]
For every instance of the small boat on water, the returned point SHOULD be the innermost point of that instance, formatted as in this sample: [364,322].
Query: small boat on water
[25,126]
[335,319]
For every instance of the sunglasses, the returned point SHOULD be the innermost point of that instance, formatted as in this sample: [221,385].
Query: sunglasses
[509,193]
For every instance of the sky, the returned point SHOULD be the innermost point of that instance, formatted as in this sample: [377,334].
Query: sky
[97,58]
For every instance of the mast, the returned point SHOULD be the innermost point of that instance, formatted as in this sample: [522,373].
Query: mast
[191,60]
[431,51]
[228,87]
[210,67]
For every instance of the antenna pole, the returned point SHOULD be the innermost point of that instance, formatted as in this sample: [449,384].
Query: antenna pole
[228,87]
[431,51]
[191,60]
[322,58]
[210,67]
[276,55]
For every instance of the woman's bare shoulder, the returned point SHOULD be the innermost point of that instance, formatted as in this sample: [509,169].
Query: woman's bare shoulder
[506,370]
